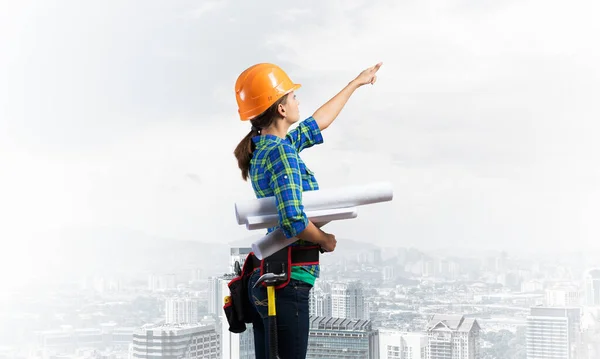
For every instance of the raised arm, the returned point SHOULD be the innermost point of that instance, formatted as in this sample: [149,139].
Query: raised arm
[331,109]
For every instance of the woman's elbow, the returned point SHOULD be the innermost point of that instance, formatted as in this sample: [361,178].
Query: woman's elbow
[294,225]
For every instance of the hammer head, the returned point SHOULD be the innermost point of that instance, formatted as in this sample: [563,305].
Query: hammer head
[271,279]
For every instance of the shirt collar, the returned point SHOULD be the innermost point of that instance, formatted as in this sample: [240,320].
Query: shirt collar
[264,140]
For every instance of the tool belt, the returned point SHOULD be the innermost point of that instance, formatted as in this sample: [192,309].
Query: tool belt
[237,306]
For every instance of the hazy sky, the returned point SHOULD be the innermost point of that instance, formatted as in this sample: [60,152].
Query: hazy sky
[484,117]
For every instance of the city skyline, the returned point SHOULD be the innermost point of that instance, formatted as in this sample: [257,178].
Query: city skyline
[118,182]
[414,303]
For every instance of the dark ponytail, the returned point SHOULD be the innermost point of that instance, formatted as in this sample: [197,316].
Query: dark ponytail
[244,150]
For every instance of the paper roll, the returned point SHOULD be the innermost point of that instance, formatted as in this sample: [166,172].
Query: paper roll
[273,242]
[326,215]
[276,240]
[323,199]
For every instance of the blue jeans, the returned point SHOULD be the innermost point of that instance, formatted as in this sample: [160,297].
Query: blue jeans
[292,318]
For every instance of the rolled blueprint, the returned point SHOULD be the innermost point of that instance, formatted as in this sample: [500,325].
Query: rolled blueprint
[252,212]
[271,243]
[275,241]
[318,216]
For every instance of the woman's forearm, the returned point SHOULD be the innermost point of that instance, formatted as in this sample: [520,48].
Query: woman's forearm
[325,115]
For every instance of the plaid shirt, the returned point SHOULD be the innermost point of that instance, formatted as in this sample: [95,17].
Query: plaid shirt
[276,169]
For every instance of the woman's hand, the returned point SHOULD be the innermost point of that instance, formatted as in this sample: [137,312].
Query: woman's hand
[368,76]
[328,245]
[331,109]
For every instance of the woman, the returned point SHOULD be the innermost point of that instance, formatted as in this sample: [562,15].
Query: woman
[269,156]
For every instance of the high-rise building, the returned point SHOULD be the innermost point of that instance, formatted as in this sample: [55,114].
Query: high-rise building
[454,270]
[501,262]
[590,333]
[553,333]
[162,282]
[348,301]
[182,310]
[442,268]
[319,303]
[592,288]
[333,338]
[176,341]
[428,268]
[453,336]
[377,258]
[234,345]
[196,275]
[394,344]
[238,254]
[388,273]
[215,296]
[563,296]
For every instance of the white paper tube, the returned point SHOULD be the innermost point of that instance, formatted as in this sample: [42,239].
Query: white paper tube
[273,242]
[343,197]
[325,215]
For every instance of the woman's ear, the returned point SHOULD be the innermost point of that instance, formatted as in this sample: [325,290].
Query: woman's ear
[281,110]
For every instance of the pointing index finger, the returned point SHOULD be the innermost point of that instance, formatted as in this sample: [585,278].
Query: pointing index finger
[377,66]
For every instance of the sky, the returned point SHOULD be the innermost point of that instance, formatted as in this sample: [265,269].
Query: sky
[484,117]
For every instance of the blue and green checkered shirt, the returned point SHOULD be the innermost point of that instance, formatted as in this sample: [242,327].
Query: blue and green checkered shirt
[276,169]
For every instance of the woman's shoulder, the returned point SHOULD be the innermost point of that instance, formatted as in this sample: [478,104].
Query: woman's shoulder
[282,149]
[274,152]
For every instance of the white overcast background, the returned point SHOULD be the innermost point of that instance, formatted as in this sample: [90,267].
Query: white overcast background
[121,114]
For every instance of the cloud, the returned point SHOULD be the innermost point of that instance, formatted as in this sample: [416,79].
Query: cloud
[477,99]
[206,7]
[194,177]
[483,115]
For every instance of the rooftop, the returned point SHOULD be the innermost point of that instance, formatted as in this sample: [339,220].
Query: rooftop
[456,323]
[157,329]
[594,273]
[339,323]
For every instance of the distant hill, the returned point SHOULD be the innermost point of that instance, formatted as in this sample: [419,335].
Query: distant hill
[74,253]
[110,251]
[345,246]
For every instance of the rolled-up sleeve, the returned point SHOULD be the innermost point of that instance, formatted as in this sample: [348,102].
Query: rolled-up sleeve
[286,183]
[306,134]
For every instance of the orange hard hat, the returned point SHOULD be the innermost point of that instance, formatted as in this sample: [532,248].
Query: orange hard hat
[258,87]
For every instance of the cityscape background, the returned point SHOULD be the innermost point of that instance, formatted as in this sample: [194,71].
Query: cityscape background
[117,178]
[143,297]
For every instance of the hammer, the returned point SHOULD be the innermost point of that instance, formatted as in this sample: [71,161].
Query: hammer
[272,279]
